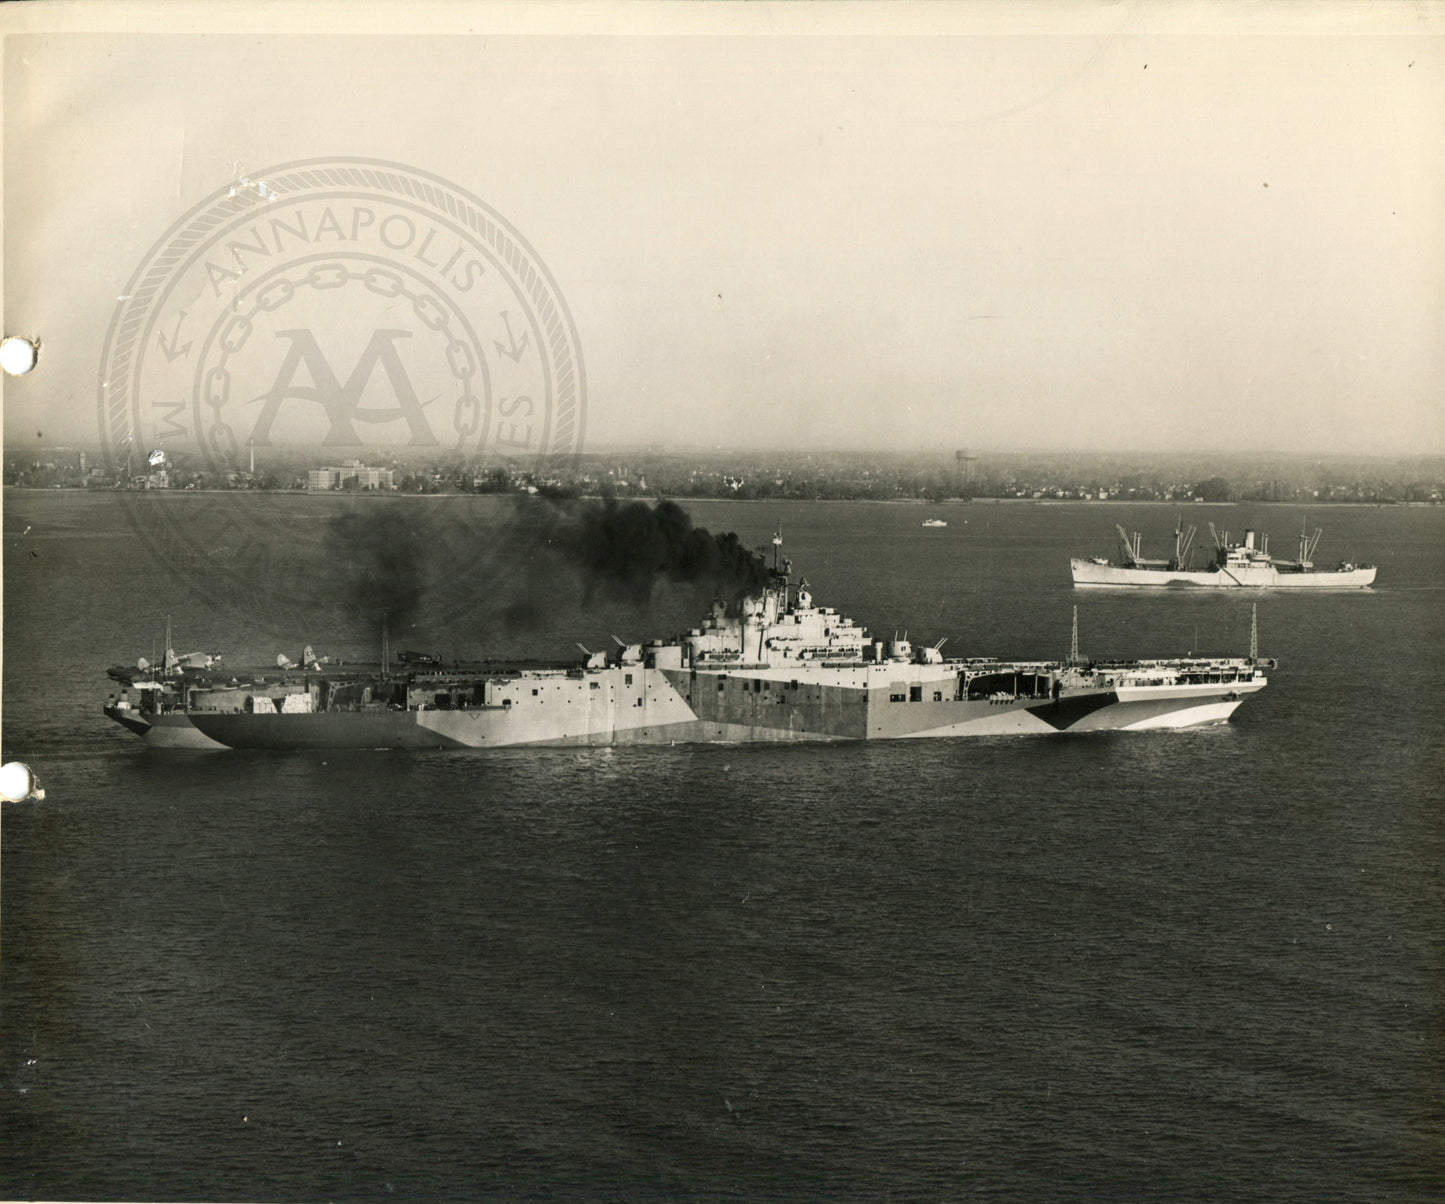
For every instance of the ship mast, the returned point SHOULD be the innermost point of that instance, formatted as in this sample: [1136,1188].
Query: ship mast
[781,568]
[1307,545]
[776,589]
[1131,544]
[1182,541]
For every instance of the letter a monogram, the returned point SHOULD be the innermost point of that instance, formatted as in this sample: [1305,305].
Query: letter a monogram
[342,403]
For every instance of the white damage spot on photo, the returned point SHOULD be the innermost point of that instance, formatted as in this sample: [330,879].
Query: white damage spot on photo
[19,355]
[259,186]
[17,783]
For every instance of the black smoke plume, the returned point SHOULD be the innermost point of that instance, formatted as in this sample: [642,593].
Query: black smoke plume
[507,573]
[381,558]
[623,550]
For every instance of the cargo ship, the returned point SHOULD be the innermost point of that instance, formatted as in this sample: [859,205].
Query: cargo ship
[1244,565]
[774,667]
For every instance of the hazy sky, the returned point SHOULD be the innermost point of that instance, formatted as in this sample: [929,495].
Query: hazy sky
[1064,227]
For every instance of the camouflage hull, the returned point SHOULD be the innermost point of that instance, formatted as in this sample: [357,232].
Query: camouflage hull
[675,706]
[777,668]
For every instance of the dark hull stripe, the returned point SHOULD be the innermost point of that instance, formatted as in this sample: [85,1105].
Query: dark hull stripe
[1065,712]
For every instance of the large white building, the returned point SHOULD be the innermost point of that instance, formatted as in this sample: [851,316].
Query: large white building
[365,476]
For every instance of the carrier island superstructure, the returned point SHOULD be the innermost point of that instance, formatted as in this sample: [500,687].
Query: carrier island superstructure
[776,667]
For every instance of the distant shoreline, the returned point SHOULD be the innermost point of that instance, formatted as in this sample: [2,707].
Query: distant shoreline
[682,499]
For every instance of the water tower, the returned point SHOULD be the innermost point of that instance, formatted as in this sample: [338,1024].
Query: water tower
[964,460]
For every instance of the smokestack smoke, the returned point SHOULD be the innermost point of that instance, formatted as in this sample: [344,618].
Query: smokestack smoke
[623,551]
[394,557]
[380,556]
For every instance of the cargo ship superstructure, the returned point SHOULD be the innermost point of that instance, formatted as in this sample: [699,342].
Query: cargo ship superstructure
[777,667]
[1243,565]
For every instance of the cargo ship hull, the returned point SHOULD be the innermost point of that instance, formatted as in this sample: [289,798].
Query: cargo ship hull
[1091,573]
[1245,565]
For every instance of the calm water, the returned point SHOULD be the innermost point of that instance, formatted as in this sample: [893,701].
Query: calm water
[1200,965]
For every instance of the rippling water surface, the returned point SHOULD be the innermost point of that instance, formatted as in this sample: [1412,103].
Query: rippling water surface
[1197,965]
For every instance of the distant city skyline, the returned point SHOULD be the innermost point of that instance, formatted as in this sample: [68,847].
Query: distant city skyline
[1149,229]
[653,474]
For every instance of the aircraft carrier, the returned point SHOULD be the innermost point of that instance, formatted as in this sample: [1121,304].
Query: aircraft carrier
[775,667]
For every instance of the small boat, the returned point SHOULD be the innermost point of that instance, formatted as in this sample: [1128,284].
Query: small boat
[935,522]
